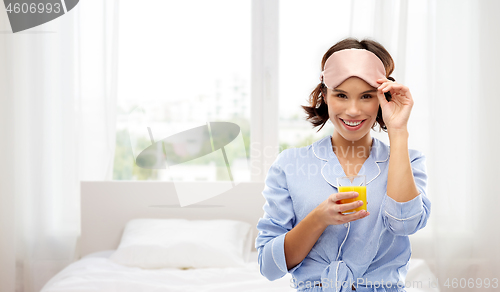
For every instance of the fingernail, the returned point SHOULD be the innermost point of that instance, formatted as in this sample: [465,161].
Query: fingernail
[360,203]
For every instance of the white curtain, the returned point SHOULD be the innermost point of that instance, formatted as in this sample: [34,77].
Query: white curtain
[58,127]
[446,52]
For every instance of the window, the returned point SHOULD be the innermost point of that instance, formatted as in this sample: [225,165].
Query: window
[302,43]
[181,65]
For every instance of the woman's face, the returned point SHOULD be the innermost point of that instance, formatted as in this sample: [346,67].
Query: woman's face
[353,101]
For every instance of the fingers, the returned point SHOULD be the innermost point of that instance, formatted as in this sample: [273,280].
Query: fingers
[395,87]
[389,85]
[355,216]
[384,82]
[339,208]
[350,206]
[344,195]
[381,98]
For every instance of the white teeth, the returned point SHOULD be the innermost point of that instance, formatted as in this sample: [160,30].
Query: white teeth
[351,124]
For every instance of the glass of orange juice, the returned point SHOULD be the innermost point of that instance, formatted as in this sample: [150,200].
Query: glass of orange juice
[357,184]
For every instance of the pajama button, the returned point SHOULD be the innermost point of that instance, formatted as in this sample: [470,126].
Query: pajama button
[345,225]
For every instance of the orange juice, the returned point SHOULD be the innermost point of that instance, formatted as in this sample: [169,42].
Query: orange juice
[361,190]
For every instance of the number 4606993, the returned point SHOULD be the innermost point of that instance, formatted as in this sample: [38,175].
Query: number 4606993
[34,8]
[471,283]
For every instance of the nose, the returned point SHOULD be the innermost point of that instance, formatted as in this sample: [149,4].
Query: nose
[353,109]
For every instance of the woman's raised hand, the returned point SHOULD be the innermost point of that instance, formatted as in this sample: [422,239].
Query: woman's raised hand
[329,212]
[397,111]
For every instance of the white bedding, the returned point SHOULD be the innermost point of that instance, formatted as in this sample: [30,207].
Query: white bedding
[96,273]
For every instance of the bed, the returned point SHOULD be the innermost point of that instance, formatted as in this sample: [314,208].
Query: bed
[109,211]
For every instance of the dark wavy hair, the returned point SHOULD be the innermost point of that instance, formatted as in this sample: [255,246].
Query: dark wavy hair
[317,110]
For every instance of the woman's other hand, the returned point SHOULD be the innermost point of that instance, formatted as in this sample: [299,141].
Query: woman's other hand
[397,111]
[329,212]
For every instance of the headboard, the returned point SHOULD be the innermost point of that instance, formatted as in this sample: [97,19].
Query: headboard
[106,206]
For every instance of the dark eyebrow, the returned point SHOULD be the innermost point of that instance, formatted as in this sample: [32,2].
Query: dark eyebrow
[368,91]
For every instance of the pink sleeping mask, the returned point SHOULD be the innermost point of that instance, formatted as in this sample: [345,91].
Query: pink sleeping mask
[352,62]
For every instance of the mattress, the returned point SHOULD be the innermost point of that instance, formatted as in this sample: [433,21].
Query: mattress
[96,273]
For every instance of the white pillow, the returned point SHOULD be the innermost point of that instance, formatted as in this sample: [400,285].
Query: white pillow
[181,243]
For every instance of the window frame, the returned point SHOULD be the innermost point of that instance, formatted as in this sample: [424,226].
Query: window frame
[264,112]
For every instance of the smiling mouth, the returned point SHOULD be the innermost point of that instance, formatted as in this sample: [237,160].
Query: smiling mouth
[352,123]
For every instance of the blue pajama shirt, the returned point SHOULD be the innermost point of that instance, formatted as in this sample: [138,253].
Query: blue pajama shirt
[372,253]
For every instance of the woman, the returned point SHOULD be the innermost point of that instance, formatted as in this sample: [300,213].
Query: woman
[303,230]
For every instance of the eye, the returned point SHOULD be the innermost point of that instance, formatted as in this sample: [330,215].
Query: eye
[341,95]
[366,96]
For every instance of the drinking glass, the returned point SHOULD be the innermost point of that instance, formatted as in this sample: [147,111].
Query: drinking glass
[357,184]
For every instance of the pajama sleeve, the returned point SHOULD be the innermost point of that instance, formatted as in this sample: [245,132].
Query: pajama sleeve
[278,219]
[406,218]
